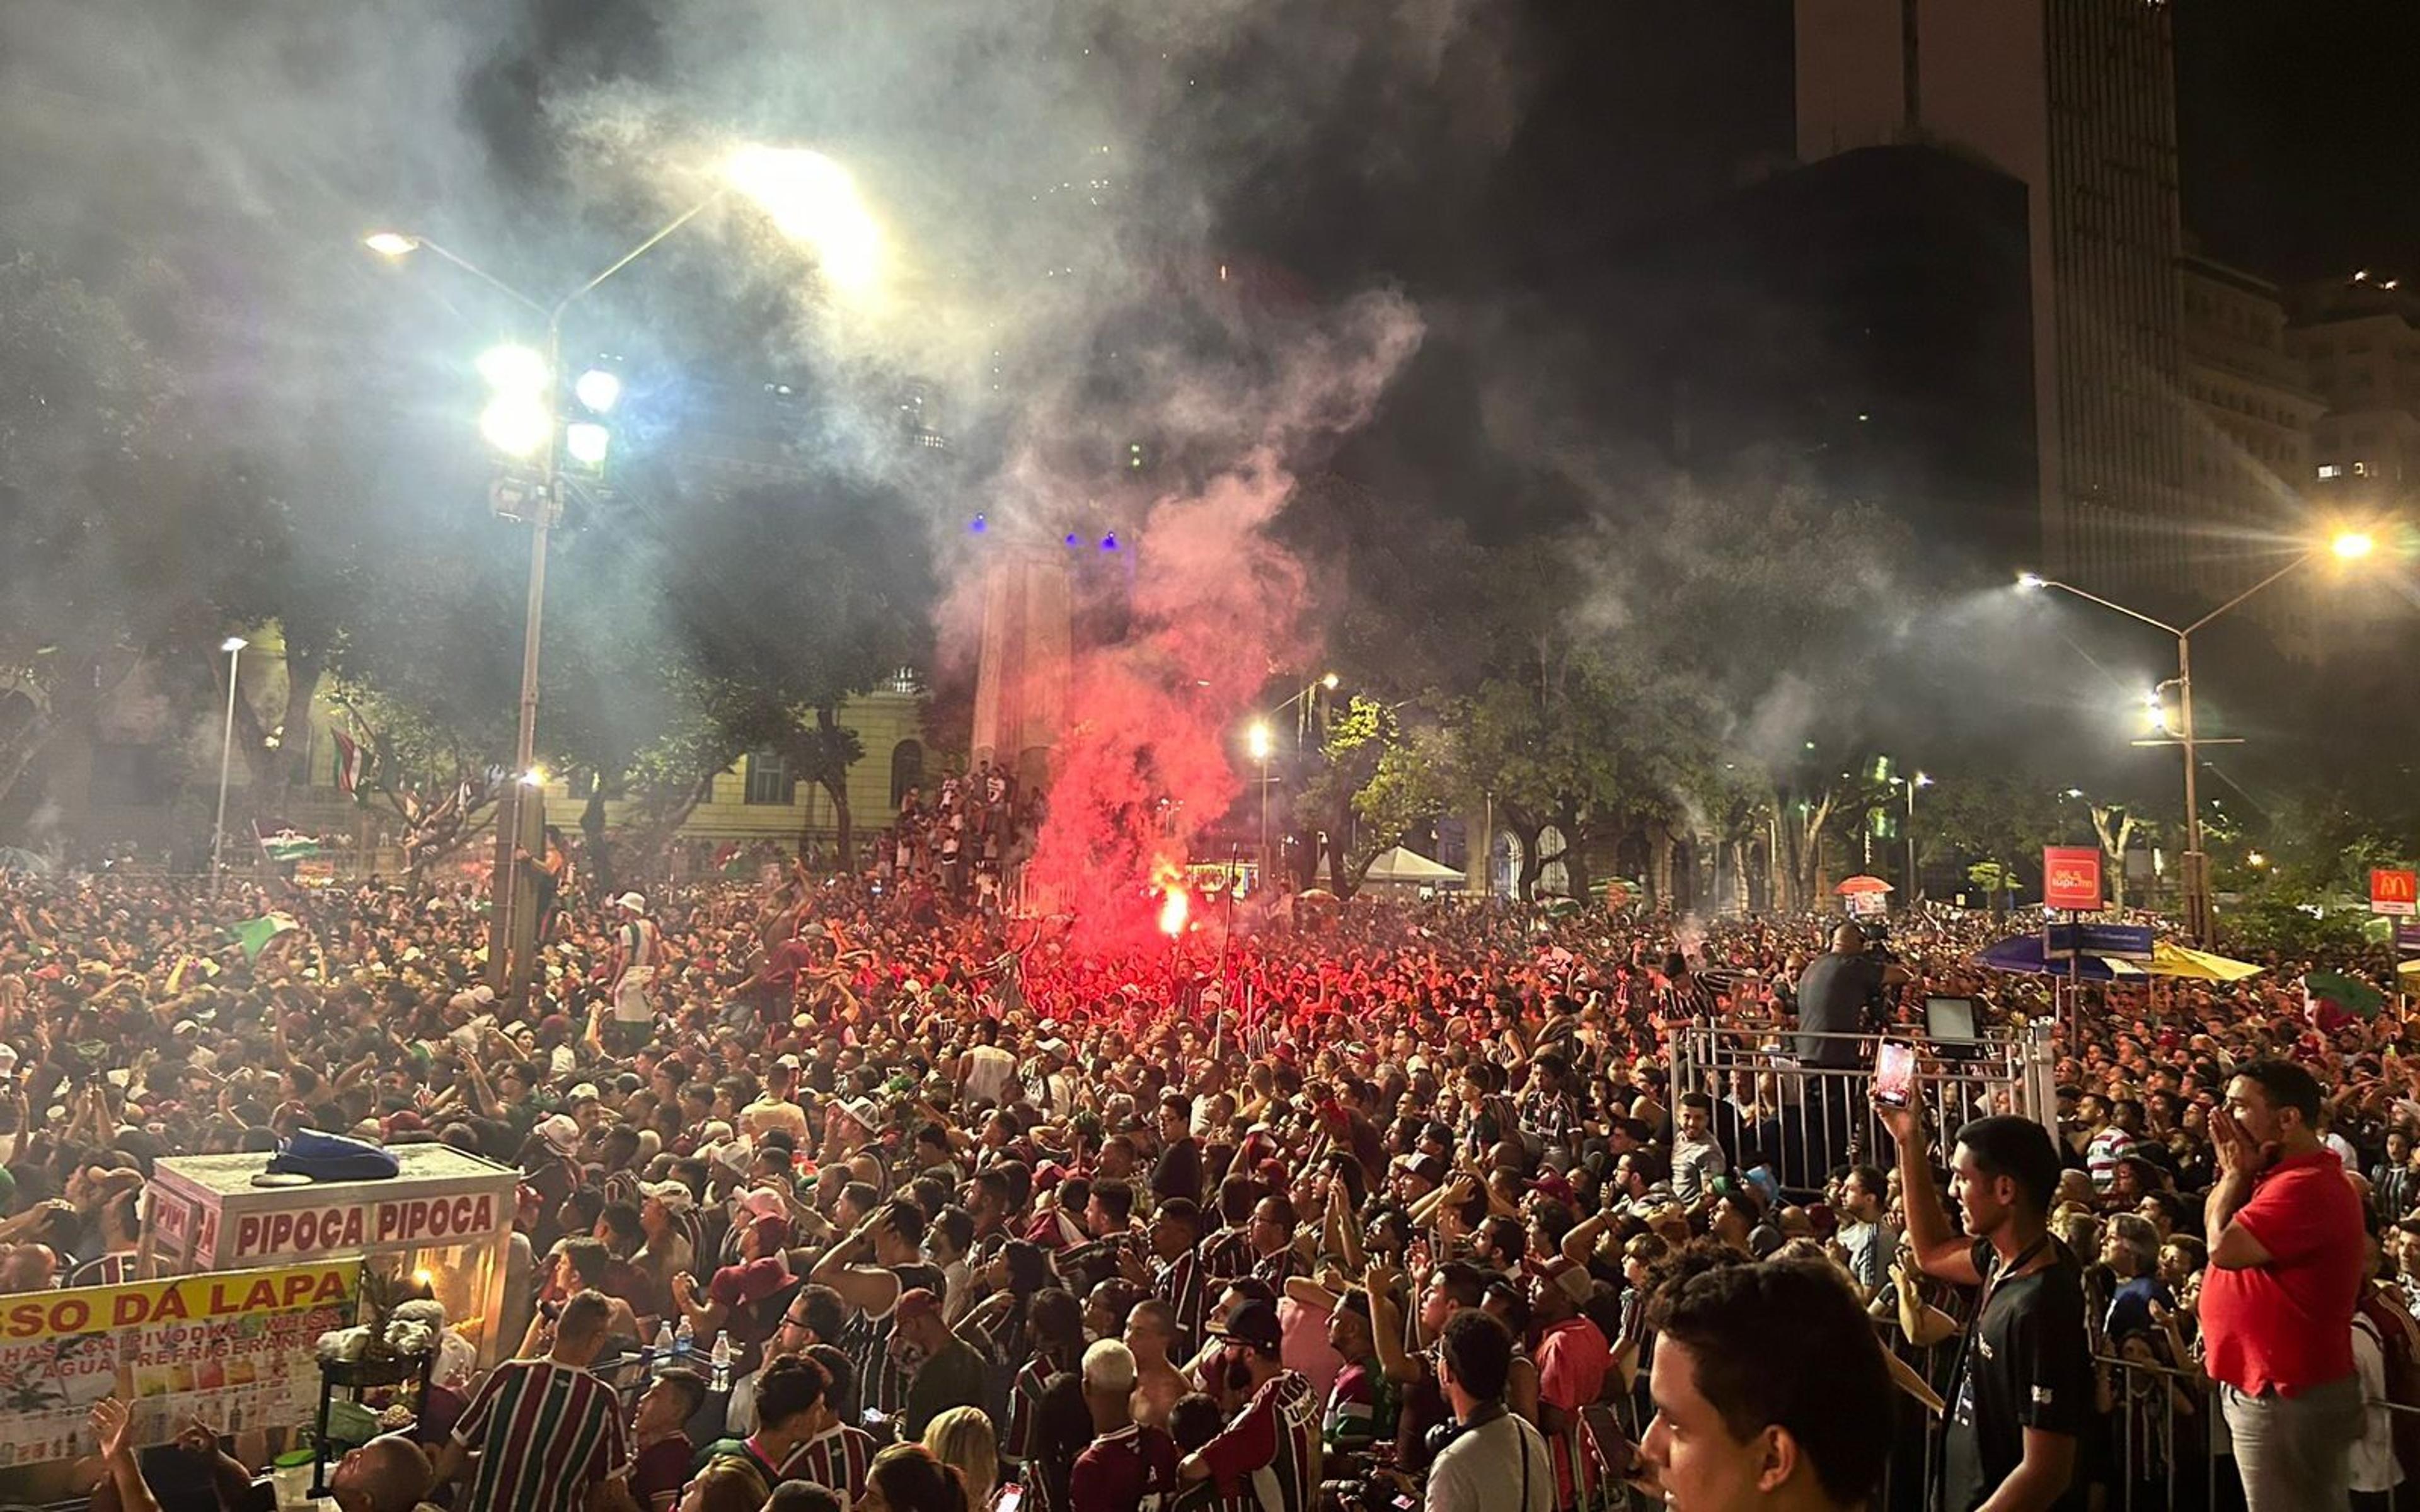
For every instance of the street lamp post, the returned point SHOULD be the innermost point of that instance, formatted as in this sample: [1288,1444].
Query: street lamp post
[233,645]
[1915,888]
[509,967]
[1261,747]
[2347,546]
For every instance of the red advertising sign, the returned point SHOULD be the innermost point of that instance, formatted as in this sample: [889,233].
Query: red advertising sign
[2394,892]
[2072,878]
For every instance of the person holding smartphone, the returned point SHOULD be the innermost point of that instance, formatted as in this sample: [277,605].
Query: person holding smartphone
[2022,1390]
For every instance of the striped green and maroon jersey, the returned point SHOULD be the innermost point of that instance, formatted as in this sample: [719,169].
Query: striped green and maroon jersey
[835,1459]
[546,1432]
[1270,1452]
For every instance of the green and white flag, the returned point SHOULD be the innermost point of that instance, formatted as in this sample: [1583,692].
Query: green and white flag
[254,934]
[284,845]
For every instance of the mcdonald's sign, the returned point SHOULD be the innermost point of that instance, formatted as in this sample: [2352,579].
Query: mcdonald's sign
[2394,892]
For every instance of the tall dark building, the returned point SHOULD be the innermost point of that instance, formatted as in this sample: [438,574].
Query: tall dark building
[2075,98]
[1866,318]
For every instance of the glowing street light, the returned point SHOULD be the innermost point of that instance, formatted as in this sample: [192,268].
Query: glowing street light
[2346,546]
[516,425]
[1329,682]
[587,441]
[813,200]
[1261,742]
[1915,879]
[597,389]
[233,647]
[513,369]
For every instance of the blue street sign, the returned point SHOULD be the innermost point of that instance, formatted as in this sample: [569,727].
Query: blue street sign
[2114,942]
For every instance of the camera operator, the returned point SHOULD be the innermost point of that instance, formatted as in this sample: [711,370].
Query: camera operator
[1840,996]
[1492,1461]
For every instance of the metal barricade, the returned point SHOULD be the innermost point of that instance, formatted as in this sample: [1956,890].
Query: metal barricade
[1804,1100]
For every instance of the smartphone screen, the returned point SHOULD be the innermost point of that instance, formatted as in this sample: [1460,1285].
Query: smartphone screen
[1010,1497]
[1894,1073]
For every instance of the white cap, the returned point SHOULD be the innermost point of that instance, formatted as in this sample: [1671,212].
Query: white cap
[561,1134]
[632,902]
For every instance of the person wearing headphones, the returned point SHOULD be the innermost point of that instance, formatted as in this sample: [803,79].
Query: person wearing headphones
[1492,1461]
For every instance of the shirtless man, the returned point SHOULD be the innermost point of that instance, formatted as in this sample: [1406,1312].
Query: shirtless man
[1150,1331]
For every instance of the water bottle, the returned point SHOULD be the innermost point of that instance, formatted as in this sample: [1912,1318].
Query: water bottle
[685,1342]
[663,1350]
[721,1357]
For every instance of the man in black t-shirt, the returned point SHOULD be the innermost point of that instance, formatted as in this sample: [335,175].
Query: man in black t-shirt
[1840,993]
[2020,1396]
[1840,996]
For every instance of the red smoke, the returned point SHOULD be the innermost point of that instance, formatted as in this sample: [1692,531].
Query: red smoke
[1145,764]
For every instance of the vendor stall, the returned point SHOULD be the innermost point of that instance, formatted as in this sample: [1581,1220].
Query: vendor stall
[445,1218]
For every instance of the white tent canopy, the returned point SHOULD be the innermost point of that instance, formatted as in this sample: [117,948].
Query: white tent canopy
[1403,869]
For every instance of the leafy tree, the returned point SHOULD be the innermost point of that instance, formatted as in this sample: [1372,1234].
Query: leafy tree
[88,579]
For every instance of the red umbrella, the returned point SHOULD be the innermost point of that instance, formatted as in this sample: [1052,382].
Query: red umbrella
[1857,884]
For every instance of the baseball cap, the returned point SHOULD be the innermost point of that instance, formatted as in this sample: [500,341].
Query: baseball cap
[1574,1279]
[774,1231]
[584,1092]
[561,1134]
[859,1109]
[675,1197]
[917,1301]
[1253,1323]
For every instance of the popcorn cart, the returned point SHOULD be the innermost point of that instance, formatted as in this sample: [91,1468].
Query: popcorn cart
[445,1218]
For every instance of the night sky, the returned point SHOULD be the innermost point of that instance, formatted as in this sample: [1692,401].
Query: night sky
[2299,132]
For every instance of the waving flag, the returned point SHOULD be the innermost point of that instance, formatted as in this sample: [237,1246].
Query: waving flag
[2330,998]
[285,844]
[352,764]
[254,934]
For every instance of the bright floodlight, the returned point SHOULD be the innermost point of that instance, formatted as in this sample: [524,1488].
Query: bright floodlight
[1922,781]
[516,425]
[1329,682]
[510,369]
[2353,546]
[391,243]
[596,388]
[812,199]
[2032,580]
[1260,741]
[233,643]
[587,443]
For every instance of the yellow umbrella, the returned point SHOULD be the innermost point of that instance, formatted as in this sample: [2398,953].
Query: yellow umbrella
[2169,960]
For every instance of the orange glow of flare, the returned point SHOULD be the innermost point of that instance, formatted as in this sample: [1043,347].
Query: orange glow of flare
[1174,904]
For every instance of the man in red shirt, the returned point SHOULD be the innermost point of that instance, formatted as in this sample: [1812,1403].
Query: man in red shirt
[1572,1358]
[2286,1256]
[1127,1466]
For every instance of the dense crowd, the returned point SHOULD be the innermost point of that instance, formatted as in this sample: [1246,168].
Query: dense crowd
[1394,1202]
